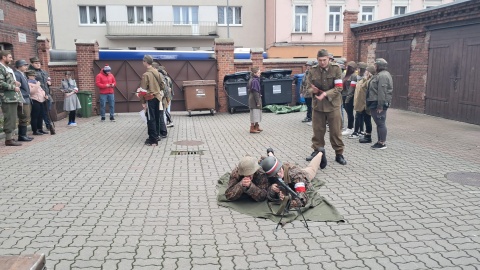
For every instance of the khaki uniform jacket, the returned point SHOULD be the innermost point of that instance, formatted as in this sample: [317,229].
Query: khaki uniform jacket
[7,87]
[360,98]
[150,82]
[325,79]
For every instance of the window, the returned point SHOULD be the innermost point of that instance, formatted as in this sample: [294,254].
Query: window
[185,15]
[301,17]
[334,18]
[234,15]
[399,10]
[140,14]
[367,13]
[92,15]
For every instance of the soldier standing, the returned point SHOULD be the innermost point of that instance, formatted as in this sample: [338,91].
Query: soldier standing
[9,97]
[24,111]
[324,81]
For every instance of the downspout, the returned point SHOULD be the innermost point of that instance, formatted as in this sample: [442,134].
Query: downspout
[265,25]
[50,22]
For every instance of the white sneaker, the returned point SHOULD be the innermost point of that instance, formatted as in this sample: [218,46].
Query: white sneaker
[73,124]
[347,131]
[309,123]
[170,125]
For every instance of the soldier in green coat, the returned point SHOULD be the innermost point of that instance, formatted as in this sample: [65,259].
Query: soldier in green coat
[9,96]
[324,81]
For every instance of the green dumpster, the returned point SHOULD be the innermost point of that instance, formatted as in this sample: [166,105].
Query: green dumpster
[85,98]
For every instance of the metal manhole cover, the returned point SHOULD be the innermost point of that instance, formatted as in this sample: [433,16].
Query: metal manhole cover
[188,143]
[464,178]
[183,153]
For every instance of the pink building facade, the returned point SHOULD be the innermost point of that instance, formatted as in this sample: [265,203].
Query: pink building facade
[299,28]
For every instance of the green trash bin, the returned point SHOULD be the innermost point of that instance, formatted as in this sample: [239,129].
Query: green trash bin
[85,98]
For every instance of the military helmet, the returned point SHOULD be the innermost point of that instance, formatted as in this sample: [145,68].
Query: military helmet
[352,64]
[362,65]
[247,166]
[381,63]
[271,166]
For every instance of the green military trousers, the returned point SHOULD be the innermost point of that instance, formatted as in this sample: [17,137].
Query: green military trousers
[319,124]
[9,119]
[23,113]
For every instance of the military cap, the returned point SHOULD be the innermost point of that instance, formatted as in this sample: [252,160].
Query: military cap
[148,59]
[322,53]
[362,65]
[21,63]
[248,165]
[31,73]
[34,59]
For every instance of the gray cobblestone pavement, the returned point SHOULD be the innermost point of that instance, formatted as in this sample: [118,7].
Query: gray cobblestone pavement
[94,197]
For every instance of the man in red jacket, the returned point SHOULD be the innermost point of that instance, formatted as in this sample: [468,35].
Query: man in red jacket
[105,81]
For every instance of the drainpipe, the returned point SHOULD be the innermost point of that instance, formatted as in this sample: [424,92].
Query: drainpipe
[50,22]
[228,24]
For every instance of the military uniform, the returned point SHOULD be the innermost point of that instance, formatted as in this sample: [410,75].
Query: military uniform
[9,99]
[256,191]
[293,175]
[329,80]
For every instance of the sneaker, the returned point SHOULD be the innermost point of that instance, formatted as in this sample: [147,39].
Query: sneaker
[354,135]
[170,125]
[69,123]
[347,131]
[378,146]
[307,119]
[309,123]
[102,119]
[73,124]
[112,119]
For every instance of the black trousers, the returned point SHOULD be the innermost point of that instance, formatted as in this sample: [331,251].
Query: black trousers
[153,115]
[360,119]
[308,102]
[162,126]
[37,115]
[71,116]
[349,109]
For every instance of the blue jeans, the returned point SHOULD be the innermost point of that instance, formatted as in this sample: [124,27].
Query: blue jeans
[103,102]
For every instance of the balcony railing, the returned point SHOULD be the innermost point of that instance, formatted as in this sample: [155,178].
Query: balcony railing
[162,28]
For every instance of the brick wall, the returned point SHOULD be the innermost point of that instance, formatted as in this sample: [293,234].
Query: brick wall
[225,64]
[87,53]
[19,18]
[363,43]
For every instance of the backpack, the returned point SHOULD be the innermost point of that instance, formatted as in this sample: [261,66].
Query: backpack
[167,90]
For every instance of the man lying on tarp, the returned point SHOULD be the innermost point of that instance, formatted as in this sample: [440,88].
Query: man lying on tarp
[247,180]
[248,185]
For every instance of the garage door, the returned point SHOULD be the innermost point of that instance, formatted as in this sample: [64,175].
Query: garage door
[453,88]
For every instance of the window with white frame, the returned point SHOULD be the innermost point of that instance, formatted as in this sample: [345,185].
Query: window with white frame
[140,14]
[92,14]
[368,13]
[399,10]
[185,14]
[432,3]
[301,19]
[334,18]
[232,15]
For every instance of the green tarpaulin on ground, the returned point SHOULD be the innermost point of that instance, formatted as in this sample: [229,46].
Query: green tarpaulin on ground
[317,209]
[281,109]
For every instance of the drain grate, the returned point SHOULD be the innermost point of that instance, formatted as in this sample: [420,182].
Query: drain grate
[184,153]
[464,178]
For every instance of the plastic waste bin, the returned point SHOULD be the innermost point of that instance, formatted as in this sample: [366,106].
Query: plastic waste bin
[298,79]
[199,95]
[85,98]
[236,88]
[276,86]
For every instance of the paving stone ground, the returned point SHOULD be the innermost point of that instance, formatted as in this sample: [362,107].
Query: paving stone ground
[94,197]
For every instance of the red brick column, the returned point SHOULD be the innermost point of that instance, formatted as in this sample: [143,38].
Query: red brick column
[349,39]
[87,52]
[225,65]
[256,54]
[43,51]
[417,78]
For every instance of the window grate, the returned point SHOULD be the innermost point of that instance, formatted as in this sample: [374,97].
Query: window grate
[186,153]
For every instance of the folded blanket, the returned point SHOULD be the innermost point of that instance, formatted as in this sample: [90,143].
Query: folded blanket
[317,209]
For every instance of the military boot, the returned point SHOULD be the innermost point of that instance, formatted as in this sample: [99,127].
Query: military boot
[12,143]
[22,134]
